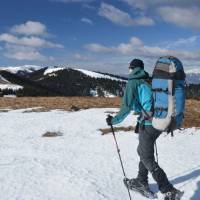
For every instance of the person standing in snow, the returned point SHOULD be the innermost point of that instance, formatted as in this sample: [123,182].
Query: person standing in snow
[138,97]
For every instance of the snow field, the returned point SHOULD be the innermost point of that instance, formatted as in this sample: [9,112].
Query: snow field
[10,86]
[82,164]
[25,68]
[97,75]
[51,70]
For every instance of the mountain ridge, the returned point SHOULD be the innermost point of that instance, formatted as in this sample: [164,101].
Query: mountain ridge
[32,80]
[31,68]
[62,81]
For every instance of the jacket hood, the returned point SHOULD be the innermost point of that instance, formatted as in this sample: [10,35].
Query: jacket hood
[138,73]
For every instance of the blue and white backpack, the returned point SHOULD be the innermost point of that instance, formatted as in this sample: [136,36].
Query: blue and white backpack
[168,85]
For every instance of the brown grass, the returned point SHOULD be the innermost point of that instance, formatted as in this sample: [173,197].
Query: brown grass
[117,129]
[63,103]
[192,114]
[52,134]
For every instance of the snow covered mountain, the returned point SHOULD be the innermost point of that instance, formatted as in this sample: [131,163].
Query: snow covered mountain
[65,81]
[27,69]
[62,81]
[12,87]
[24,70]
[53,70]
[100,75]
[3,80]
[6,85]
[193,76]
[21,69]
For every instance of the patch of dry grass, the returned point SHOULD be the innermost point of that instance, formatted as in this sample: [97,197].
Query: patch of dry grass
[63,103]
[192,114]
[52,134]
[117,129]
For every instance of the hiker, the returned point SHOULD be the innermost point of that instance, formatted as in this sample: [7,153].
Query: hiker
[138,93]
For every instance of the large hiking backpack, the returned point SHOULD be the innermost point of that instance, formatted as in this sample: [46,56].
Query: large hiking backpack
[168,85]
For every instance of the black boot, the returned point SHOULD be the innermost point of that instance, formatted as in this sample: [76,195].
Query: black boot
[173,194]
[142,188]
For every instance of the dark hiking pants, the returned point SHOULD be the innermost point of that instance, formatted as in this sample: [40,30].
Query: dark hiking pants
[147,138]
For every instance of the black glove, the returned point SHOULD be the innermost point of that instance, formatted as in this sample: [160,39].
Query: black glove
[109,120]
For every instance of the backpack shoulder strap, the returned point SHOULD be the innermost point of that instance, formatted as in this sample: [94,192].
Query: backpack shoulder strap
[145,114]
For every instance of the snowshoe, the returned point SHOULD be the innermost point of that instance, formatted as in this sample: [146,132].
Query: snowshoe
[174,194]
[137,186]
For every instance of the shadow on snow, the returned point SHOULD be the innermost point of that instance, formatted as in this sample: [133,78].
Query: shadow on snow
[187,177]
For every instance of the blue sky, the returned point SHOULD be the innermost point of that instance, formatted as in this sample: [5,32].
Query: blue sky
[98,35]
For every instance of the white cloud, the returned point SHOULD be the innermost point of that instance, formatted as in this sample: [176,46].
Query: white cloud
[30,28]
[74,1]
[80,57]
[147,4]
[6,37]
[115,15]
[28,41]
[127,48]
[87,21]
[134,41]
[122,18]
[30,55]
[144,21]
[185,17]
[183,42]
[27,46]
[142,4]
[135,47]
[182,13]
[89,6]
[23,53]
[189,40]
[116,58]
[97,48]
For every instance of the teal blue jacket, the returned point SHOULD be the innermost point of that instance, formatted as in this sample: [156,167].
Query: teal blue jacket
[137,90]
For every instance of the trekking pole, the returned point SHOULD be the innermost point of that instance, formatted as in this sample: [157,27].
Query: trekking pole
[118,151]
[156,151]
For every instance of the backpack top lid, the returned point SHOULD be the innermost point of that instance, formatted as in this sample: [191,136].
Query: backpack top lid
[169,67]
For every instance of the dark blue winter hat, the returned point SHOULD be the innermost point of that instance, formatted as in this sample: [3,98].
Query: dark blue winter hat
[136,63]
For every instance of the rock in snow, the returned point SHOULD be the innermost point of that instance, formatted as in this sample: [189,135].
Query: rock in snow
[82,164]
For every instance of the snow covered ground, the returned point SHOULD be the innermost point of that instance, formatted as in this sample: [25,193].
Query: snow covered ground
[5,84]
[51,70]
[10,86]
[98,75]
[82,164]
[25,68]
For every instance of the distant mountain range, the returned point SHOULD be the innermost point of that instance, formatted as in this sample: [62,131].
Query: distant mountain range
[193,76]
[31,80]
